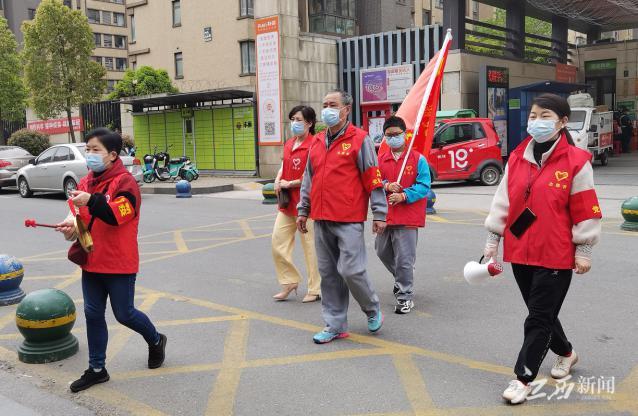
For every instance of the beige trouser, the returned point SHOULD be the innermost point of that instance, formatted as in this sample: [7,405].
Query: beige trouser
[283,241]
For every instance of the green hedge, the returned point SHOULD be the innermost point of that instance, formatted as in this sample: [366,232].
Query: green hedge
[32,141]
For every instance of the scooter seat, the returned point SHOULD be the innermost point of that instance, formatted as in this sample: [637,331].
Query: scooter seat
[175,161]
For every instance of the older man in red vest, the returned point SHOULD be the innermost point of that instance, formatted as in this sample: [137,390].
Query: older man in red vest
[342,176]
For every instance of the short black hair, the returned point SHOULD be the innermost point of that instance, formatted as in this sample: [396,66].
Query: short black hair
[394,121]
[109,139]
[308,114]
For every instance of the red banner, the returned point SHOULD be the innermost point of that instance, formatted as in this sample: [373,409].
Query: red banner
[56,125]
[420,96]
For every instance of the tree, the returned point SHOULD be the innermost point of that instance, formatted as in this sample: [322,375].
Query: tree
[145,80]
[59,72]
[12,94]
[494,47]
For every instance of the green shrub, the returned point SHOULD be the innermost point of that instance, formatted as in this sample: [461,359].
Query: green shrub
[32,141]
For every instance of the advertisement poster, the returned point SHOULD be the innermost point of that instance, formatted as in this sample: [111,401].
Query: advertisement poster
[497,85]
[56,126]
[268,80]
[375,128]
[386,85]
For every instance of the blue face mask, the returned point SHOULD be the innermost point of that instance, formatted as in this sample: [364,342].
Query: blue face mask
[330,116]
[95,162]
[298,128]
[542,130]
[396,142]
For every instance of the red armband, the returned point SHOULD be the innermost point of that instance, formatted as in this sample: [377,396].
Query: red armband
[122,209]
[372,179]
[584,206]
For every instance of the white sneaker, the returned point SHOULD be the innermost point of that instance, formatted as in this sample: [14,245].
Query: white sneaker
[563,365]
[516,392]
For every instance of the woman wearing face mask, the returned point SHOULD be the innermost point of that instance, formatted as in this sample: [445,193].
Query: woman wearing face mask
[547,213]
[302,125]
[396,247]
[108,199]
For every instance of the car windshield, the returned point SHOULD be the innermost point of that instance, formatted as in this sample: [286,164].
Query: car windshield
[577,120]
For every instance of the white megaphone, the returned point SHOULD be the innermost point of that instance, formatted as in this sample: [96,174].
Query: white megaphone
[476,273]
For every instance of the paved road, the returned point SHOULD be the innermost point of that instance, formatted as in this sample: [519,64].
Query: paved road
[207,280]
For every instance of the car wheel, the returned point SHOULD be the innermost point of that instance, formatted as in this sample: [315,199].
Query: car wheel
[490,175]
[23,188]
[69,186]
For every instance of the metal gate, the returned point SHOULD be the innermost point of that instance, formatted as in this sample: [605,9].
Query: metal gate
[101,114]
[410,46]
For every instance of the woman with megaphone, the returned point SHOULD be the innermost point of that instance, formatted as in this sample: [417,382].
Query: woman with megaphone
[547,213]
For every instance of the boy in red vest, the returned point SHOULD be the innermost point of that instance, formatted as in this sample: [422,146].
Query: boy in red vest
[396,247]
[342,176]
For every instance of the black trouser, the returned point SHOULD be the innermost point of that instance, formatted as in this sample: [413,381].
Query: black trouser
[543,291]
[626,140]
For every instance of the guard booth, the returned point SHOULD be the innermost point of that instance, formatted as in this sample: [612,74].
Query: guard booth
[520,104]
[216,129]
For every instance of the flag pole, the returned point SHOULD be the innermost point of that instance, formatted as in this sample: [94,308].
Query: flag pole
[426,97]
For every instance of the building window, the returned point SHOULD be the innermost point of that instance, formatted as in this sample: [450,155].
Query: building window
[97,59]
[133,28]
[110,85]
[438,4]
[426,18]
[107,18]
[93,15]
[108,63]
[31,14]
[120,64]
[177,13]
[179,66]
[107,41]
[67,3]
[333,16]
[247,57]
[246,8]
[118,19]
[120,42]
[98,39]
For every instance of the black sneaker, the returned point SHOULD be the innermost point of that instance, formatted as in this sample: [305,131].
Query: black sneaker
[403,307]
[90,378]
[156,353]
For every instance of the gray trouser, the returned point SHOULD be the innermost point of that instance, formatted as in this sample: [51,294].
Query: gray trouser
[396,249]
[341,255]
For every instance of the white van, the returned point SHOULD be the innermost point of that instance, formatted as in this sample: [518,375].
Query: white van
[592,130]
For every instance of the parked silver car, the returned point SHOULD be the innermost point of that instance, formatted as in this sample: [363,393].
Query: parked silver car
[12,158]
[60,168]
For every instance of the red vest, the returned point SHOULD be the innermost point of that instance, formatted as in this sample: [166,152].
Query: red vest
[548,241]
[411,215]
[294,165]
[114,247]
[340,192]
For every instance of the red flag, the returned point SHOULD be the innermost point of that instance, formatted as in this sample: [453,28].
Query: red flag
[418,110]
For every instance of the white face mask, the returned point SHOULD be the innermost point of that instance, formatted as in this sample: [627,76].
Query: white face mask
[542,131]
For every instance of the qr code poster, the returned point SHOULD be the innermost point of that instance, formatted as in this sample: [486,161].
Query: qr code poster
[268,80]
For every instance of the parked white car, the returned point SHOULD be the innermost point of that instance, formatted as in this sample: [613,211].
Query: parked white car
[60,168]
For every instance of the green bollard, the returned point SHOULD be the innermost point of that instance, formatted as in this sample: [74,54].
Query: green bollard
[268,191]
[45,319]
[629,211]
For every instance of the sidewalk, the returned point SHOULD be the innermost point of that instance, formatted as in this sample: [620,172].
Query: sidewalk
[205,185]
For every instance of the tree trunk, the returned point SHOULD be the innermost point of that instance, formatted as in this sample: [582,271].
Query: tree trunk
[70,121]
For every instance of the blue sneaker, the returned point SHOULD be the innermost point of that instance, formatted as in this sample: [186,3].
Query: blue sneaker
[326,336]
[375,322]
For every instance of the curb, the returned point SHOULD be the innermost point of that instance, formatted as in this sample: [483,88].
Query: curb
[194,191]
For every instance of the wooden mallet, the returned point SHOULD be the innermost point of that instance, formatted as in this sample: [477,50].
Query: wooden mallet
[32,223]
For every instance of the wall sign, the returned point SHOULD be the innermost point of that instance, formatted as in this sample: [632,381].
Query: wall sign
[386,85]
[56,125]
[268,81]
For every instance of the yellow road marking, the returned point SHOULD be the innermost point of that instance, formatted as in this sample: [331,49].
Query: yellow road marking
[73,277]
[51,277]
[179,242]
[436,218]
[118,342]
[222,398]
[413,383]
[248,232]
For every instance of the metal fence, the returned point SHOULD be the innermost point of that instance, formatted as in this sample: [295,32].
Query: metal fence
[101,114]
[7,128]
[401,47]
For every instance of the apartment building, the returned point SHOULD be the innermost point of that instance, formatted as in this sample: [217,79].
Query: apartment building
[107,19]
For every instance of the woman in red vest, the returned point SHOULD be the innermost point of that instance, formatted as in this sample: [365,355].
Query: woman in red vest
[302,125]
[109,200]
[547,213]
